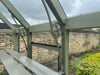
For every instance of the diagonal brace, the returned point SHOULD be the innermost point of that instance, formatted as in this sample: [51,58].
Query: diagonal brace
[4,19]
[14,12]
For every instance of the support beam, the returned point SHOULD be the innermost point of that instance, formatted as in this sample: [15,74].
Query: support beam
[29,46]
[84,21]
[91,20]
[41,27]
[57,10]
[16,42]
[6,31]
[66,53]
[17,15]
[4,19]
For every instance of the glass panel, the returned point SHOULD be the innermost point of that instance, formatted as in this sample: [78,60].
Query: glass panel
[6,13]
[32,10]
[79,7]
[1,21]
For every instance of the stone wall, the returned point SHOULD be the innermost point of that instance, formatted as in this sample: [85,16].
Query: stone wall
[78,42]
[6,41]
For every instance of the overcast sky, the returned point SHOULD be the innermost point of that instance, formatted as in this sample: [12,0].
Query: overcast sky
[33,10]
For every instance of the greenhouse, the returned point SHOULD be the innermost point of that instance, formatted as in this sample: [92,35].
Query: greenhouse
[75,48]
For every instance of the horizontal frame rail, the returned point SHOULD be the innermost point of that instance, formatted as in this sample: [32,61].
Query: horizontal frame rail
[90,20]
[33,43]
[78,22]
[6,31]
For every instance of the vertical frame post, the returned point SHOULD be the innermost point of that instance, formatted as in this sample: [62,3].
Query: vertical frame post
[65,52]
[66,55]
[16,42]
[29,46]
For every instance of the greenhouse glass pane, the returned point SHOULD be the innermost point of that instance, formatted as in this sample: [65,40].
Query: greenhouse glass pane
[1,21]
[5,12]
[79,7]
[32,10]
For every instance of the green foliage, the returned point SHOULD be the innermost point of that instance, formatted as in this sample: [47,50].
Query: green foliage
[88,68]
[98,47]
[4,72]
[89,64]
[86,55]
[86,43]
[74,63]
[1,48]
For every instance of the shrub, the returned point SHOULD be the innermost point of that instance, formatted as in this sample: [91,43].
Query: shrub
[94,57]
[90,65]
[74,63]
[88,68]
[86,55]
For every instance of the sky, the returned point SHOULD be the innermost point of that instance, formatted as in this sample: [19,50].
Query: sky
[34,12]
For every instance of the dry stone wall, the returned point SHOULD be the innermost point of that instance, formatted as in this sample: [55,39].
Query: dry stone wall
[6,41]
[78,42]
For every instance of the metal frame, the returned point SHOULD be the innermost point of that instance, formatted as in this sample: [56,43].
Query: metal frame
[90,20]
[29,46]
[6,31]
[57,10]
[4,19]
[16,42]
[14,12]
[78,22]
